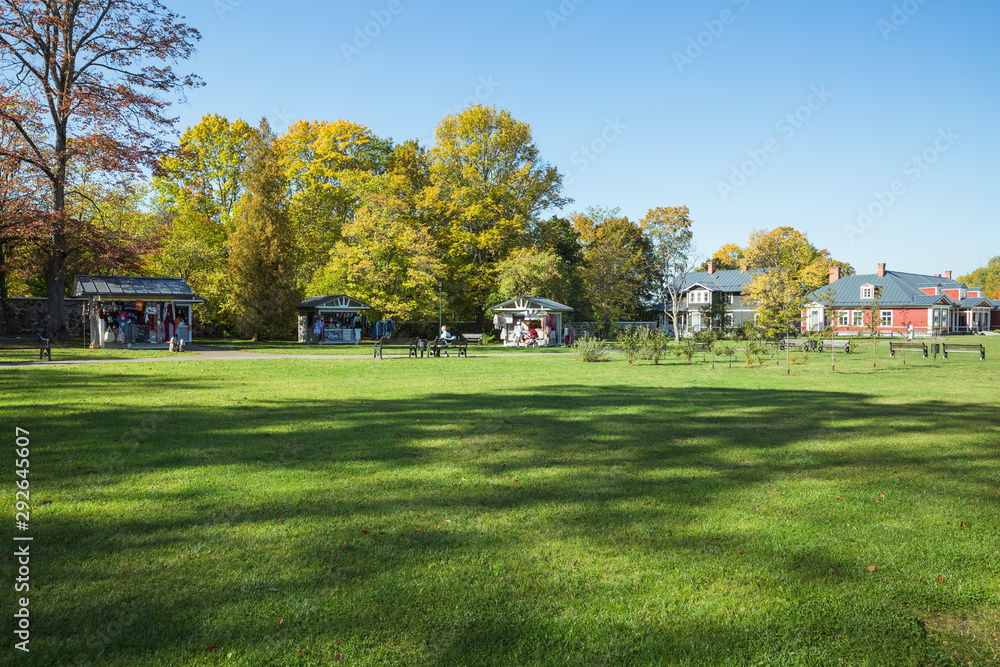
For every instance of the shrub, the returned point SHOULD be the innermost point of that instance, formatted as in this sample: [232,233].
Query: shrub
[631,342]
[654,344]
[590,349]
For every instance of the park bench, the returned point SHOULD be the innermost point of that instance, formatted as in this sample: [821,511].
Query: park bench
[839,345]
[473,339]
[408,344]
[458,344]
[794,344]
[26,341]
[964,348]
[895,347]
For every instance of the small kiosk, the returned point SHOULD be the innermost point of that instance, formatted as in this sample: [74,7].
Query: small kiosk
[530,318]
[332,320]
[138,313]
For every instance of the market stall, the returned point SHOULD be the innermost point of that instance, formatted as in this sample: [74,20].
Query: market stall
[332,320]
[137,313]
[530,321]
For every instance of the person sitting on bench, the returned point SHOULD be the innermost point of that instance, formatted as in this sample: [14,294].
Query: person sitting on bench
[446,337]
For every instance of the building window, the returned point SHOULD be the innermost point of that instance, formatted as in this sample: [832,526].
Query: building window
[859,318]
[730,298]
[698,296]
[866,291]
[729,320]
[887,318]
[842,319]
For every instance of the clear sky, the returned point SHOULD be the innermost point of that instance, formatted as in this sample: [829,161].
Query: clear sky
[754,114]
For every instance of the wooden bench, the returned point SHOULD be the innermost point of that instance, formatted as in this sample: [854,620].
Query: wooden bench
[964,348]
[473,339]
[838,345]
[895,347]
[408,344]
[24,341]
[458,343]
[794,344]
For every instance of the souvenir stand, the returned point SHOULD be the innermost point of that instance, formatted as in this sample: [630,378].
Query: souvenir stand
[138,313]
[332,320]
[517,318]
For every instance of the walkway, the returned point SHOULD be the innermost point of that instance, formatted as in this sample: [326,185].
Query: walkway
[198,353]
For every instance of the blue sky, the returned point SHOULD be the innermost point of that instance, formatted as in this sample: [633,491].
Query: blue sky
[754,114]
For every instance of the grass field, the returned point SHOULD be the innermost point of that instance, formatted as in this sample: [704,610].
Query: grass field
[510,510]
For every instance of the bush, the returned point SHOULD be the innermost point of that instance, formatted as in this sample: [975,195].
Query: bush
[654,345]
[590,349]
[631,342]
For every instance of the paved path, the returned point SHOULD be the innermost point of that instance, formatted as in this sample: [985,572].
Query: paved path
[214,354]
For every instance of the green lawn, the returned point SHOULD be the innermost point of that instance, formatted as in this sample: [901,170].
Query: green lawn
[511,511]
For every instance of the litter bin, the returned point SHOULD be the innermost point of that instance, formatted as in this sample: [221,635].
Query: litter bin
[421,346]
[935,349]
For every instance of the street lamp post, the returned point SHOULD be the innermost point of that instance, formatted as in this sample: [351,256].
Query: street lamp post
[439,308]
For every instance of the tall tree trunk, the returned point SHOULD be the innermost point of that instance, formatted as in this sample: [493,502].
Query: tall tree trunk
[5,317]
[54,278]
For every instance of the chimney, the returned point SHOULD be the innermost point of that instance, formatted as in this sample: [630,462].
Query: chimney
[947,274]
[834,274]
[881,270]
[711,266]
[743,266]
[937,275]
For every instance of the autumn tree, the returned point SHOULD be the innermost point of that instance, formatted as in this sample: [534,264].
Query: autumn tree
[196,190]
[488,185]
[384,257]
[986,277]
[327,165]
[84,84]
[727,258]
[669,231]
[777,288]
[261,264]
[619,273]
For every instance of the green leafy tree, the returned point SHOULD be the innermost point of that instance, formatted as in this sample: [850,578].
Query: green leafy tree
[669,231]
[530,272]
[488,187]
[619,273]
[384,258]
[196,192]
[328,166]
[873,320]
[261,264]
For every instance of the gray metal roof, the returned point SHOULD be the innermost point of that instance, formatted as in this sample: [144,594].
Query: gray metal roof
[898,290]
[729,280]
[333,301]
[129,287]
[528,303]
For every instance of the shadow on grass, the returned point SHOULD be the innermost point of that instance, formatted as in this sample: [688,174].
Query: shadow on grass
[280,491]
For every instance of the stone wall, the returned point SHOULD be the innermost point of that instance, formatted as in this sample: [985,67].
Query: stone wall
[596,328]
[31,315]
